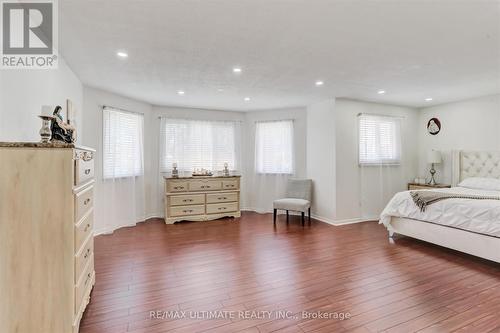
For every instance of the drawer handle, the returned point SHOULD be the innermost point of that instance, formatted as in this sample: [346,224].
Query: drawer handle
[86,202]
[87,253]
[187,200]
[87,171]
[222,198]
[187,211]
[229,185]
[222,208]
[87,156]
[178,187]
[86,227]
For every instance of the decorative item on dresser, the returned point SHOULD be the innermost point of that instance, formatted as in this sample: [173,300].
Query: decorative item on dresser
[201,198]
[46,236]
[415,186]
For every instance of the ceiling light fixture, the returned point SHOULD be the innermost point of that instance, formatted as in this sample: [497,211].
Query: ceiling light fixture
[236,70]
[181,92]
[122,54]
[428,99]
[381,92]
[319,83]
[220,90]
[247,99]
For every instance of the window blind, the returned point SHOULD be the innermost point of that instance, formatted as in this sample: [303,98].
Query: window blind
[122,143]
[274,147]
[196,144]
[379,140]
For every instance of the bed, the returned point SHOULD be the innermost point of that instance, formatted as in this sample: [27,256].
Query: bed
[466,225]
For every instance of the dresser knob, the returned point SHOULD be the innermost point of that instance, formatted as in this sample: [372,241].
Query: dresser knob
[86,227]
[86,202]
[87,171]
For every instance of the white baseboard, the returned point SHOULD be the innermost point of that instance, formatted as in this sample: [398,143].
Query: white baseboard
[355,220]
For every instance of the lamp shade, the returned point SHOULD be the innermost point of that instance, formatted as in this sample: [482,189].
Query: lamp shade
[434,156]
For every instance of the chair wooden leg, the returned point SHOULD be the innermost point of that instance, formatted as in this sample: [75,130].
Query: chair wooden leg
[287,216]
[302,213]
[274,215]
[309,214]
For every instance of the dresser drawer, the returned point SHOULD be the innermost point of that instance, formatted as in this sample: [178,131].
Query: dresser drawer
[84,200]
[83,230]
[84,166]
[82,288]
[222,208]
[177,186]
[83,257]
[222,197]
[230,185]
[188,199]
[187,210]
[205,185]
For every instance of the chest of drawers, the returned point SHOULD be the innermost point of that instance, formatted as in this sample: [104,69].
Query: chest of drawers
[201,198]
[46,236]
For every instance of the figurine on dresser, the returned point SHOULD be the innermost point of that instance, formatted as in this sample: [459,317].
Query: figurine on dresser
[62,131]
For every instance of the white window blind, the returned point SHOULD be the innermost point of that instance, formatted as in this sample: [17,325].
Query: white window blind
[379,140]
[274,147]
[122,143]
[196,144]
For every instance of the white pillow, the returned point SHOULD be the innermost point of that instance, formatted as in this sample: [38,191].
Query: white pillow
[478,183]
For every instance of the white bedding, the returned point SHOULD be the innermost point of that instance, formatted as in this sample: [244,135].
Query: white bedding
[480,216]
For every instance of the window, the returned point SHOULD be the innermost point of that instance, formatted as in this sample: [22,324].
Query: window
[122,143]
[379,140]
[196,144]
[274,147]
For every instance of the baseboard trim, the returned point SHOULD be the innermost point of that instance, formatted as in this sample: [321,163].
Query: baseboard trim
[355,220]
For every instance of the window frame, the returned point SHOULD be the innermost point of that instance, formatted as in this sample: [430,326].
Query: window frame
[134,174]
[292,152]
[398,142]
[235,165]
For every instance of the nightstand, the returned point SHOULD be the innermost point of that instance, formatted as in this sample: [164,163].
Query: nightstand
[415,186]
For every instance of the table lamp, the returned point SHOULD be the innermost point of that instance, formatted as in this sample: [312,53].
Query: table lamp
[433,157]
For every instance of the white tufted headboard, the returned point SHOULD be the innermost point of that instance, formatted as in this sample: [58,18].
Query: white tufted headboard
[475,164]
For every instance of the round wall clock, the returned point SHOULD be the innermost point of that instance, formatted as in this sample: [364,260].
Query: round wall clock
[434,126]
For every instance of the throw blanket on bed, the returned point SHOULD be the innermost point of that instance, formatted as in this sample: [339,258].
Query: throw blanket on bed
[425,198]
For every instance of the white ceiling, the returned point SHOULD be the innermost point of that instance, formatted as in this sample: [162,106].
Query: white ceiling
[448,50]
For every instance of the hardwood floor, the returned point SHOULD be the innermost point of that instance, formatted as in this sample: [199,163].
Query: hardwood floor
[246,264]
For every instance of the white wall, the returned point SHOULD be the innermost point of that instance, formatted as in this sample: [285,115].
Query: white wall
[22,94]
[261,190]
[472,124]
[362,193]
[320,158]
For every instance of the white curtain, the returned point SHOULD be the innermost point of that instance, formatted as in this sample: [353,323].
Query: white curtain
[121,192]
[196,144]
[380,159]
[274,163]
[274,147]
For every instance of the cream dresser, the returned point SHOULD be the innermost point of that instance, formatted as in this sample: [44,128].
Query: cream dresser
[201,198]
[46,236]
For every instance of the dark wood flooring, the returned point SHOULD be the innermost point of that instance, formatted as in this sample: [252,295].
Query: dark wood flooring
[247,265]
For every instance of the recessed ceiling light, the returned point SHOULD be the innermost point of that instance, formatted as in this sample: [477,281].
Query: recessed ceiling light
[428,99]
[236,70]
[180,92]
[246,99]
[381,92]
[122,54]
[220,90]
[319,83]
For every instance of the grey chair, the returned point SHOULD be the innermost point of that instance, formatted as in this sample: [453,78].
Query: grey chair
[298,199]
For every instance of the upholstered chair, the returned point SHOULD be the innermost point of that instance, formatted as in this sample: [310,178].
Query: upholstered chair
[298,199]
